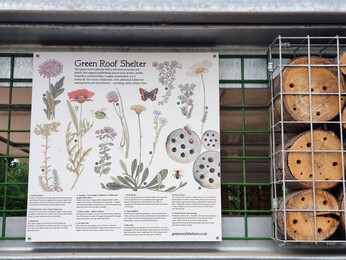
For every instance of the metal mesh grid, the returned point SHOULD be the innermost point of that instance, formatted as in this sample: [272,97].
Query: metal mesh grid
[242,78]
[280,53]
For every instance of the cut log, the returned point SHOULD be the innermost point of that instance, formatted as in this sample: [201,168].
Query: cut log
[342,61]
[343,118]
[298,165]
[300,225]
[295,80]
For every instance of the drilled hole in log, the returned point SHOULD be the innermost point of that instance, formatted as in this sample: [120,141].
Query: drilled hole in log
[324,88]
[291,85]
[310,176]
[319,230]
[294,108]
[325,202]
[303,198]
[324,138]
[312,90]
[301,162]
[295,221]
[318,113]
[335,164]
[301,173]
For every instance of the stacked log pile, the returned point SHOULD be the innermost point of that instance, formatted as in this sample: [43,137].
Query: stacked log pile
[311,163]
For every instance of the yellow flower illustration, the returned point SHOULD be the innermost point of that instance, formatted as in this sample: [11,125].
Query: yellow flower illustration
[138,108]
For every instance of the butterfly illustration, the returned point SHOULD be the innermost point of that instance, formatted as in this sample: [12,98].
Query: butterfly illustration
[100,114]
[151,95]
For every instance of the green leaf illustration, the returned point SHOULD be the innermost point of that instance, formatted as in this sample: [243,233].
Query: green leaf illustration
[139,169]
[130,181]
[123,181]
[113,186]
[97,169]
[159,179]
[123,166]
[163,173]
[145,175]
[153,181]
[106,170]
[133,166]
[170,189]
[73,115]
[115,180]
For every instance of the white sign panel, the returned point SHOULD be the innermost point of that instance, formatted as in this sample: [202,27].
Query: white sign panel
[124,147]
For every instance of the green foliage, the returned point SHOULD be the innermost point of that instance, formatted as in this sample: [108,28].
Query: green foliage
[135,180]
[16,194]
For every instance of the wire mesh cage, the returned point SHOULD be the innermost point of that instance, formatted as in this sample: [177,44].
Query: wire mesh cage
[306,76]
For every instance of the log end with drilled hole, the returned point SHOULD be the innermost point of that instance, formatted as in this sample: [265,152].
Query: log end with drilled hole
[300,225]
[298,161]
[295,82]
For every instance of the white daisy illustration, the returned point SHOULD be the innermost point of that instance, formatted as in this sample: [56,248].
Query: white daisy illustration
[196,70]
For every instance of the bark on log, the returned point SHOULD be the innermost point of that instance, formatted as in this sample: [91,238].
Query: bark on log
[295,80]
[298,165]
[300,225]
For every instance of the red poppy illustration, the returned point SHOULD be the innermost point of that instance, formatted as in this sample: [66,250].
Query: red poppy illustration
[81,95]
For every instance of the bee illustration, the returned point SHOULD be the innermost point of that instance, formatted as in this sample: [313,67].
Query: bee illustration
[100,114]
[187,128]
[177,174]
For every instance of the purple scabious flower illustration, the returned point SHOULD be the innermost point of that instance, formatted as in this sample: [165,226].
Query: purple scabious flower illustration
[186,90]
[50,68]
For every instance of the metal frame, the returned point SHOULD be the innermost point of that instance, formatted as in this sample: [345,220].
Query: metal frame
[290,47]
[242,81]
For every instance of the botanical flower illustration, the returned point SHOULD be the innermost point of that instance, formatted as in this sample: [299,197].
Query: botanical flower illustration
[167,71]
[80,95]
[74,140]
[46,182]
[198,70]
[114,97]
[139,109]
[136,179]
[185,99]
[159,123]
[51,69]
[106,136]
